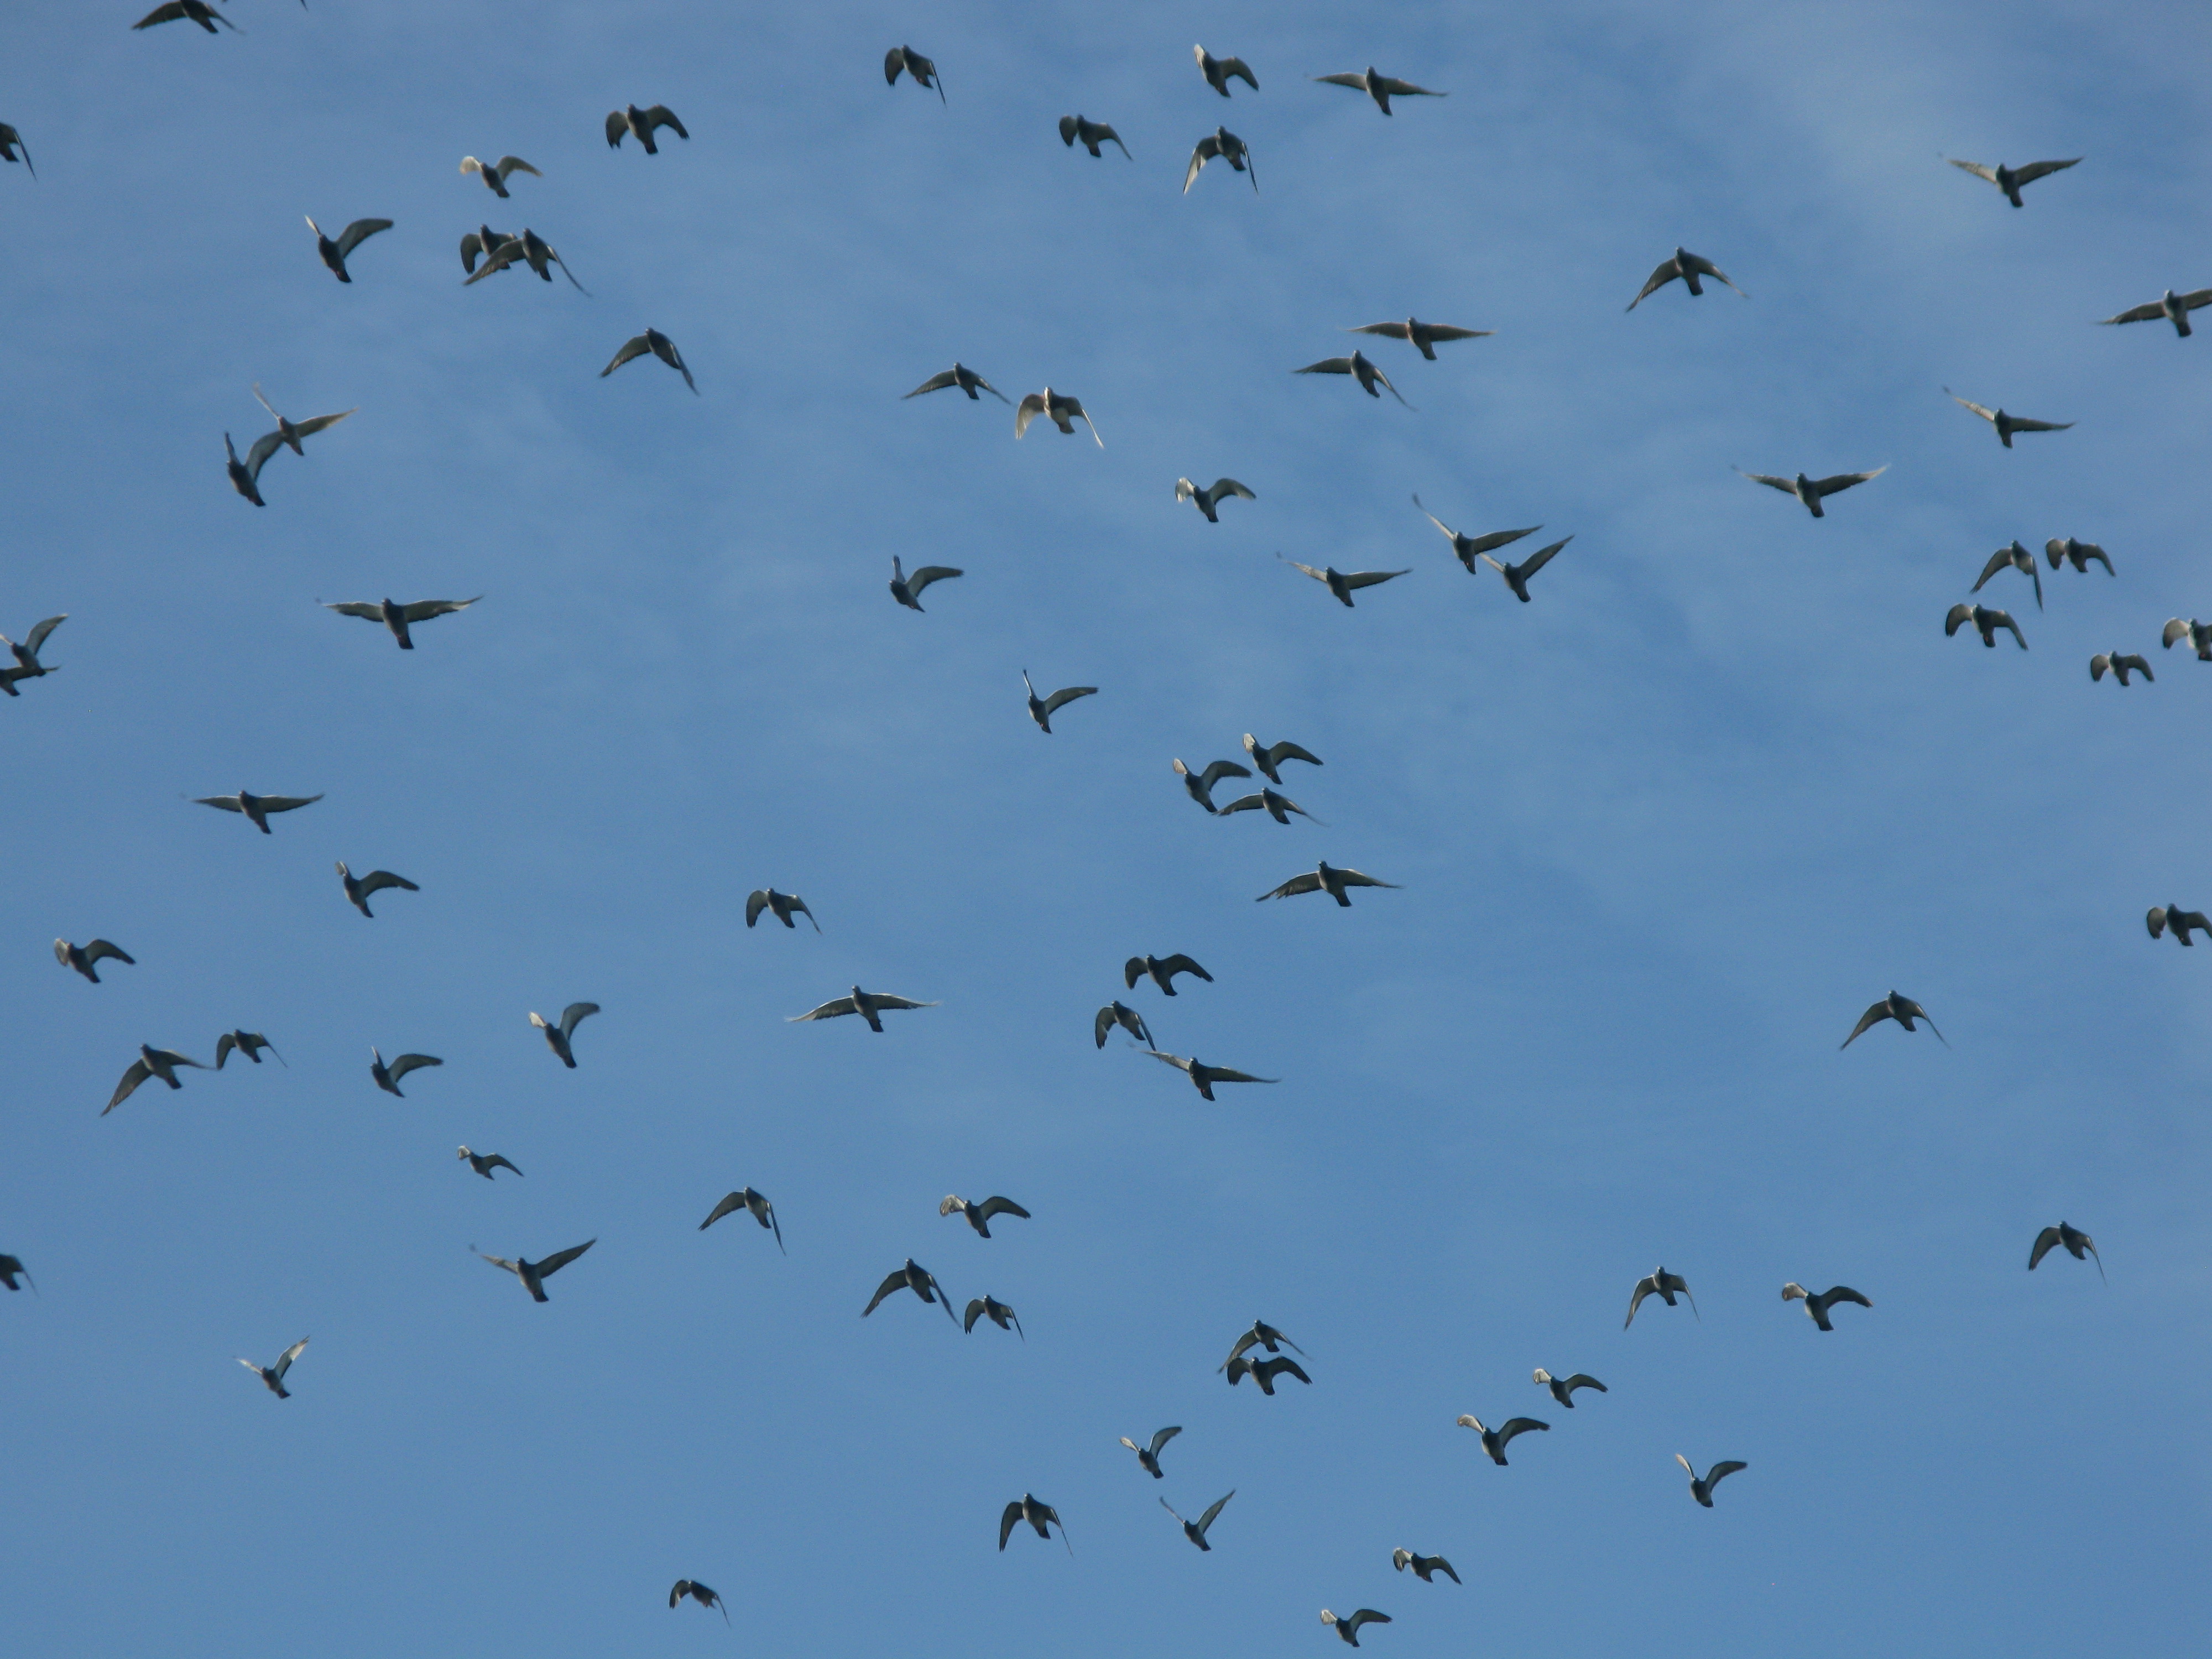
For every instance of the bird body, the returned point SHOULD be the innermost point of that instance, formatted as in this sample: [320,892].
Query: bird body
[1664,1285]
[1344,583]
[1494,1440]
[497,174]
[990,1308]
[533,1274]
[1902,1009]
[660,345]
[2009,179]
[191,11]
[1265,1371]
[978,1216]
[1038,1513]
[501,252]
[1326,879]
[1204,1077]
[1062,411]
[2199,635]
[273,1376]
[918,1279]
[2163,916]
[557,1035]
[867,1004]
[1817,1306]
[249,1043]
[1811,490]
[781,906]
[2066,550]
[2006,424]
[1425,1567]
[257,808]
[699,1593]
[151,1062]
[1986,621]
[1195,1530]
[1563,1388]
[387,1076]
[639,123]
[1200,784]
[1121,1014]
[1422,336]
[82,958]
[2072,1240]
[1360,369]
[1471,549]
[1041,709]
[1222,145]
[2015,557]
[1208,499]
[1220,71]
[1702,1490]
[1381,88]
[915,65]
[1349,1628]
[1148,1456]
[1267,756]
[906,589]
[1262,1335]
[358,887]
[752,1203]
[334,252]
[1161,970]
[1686,267]
[962,377]
[484,1163]
[400,618]
[25,654]
[2119,665]
[1075,129]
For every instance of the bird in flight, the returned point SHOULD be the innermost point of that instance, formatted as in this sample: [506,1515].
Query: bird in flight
[1360,369]
[1902,1009]
[2163,916]
[1325,878]
[752,1203]
[1262,1335]
[1161,970]
[10,142]
[334,252]
[1425,1567]
[1344,583]
[1381,88]
[1195,1531]
[1038,1513]
[1041,709]
[151,1062]
[990,1308]
[2019,558]
[960,375]
[27,665]
[399,619]
[1563,1388]
[660,345]
[249,1043]
[484,1163]
[2072,1240]
[867,1004]
[1349,1628]
[1811,490]
[2118,665]
[83,957]
[2174,307]
[195,11]
[699,1593]
[1121,1014]
[1200,784]
[1207,499]
[533,1274]
[1265,1371]
[1062,411]
[1148,1456]
[1688,268]
[778,905]
[1494,1440]
[1470,549]
[502,252]
[922,69]
[1278,807]
[639,123]
[484,242]
[2199,635]
[387,1076]
[2009,179]
[978,1216]
[1074,130]
[1703,1489]
[245,475]
[11,1268]
[1223,145]
[1220,71]
[1269,756]
[918,1279]
[497,174]
[257,808]
[1985,621]
[1423,336]
[1516,575]
[907,589]
[557,1035]
[273,1376]
[1817,1306]
[2065,550]
[358,887]
[1204,1077]
[289,432]
[1664,1285]
[2006,424]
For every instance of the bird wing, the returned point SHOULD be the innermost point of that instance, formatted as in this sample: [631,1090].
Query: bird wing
[37,637]
[513,164]
[1074,407]
[500,1161]
[661,116]
[406,1063]
[501,1262]
[1719,1472]
[1364,1616]
[1235,66]
[1705,267]
[1205,149]
[1397,89]
[1027,410]
[560,1259]
[755,902]
[1321,576]
[1873,1016]
[140,1071]
[2196,300]
[991,1206]
[1368,578]
[1107,1019]
[1357,82]
[1986,414]
[1181,1065]
[99,948]
[1644,1288]
[1354,878]
[284,1359]
[1841,480]
[897,1281]
[2021,425]
[1787,486]
[263,447]
[1327,366]
[228,803]
[1658,279]
[733,1202]
[2034,170]
[1954,619]
[223,1045]
[357,608]
[1180,963]
[1068,128]
[1245,1341]
[827,1011]
[1979,172]
[2003,619]
[1161,1439]
[928,574]
[618,124]
[359,232]
[1217,770]
[1846,1293]
[1514,1426]
[967,1324]
[1213,1509]
[1389,331]
[1998,561]
[2150,313]
[1583,1379]
[1067,695]
[286,802]
[1221,487]
[1543,556]
[1270,1368]
[2138,662]
[2044,1241]
[377,880]
[1007,1522]
[637,346]
[935,383]
[423,610]
[308,428]
[882,1000]
[2175,628]
[574,1014]
[1308,882]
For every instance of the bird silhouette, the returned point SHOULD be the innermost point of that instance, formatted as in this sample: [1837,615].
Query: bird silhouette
[1494,1440]
[358,887]
[660,345]
[2006,424]
[753,1204]
[1038,1513]
[1148,1456]
[11,1269]
[978,1216]
[2163,916]
[1563,1388]
[781,906]
[1221,145]
[2173,308]
[273,1376]
[2009,179]
[867,1004]
[334,252]
[1220,71]
[1265,1371]
[151,1062]
[962,377]
[1200,784]
[1196,1530]
[83,957]
[533,1274]
[1811,491]
[1062,411]
[1262,1335]
[1381,88]
[699,1593]
[1121,1014]
[2199,635]
[1344,583]
[1702,1490]
[1360,369]
[1041,709]
[1817,1306]
[249,1043]
[1664,1285]
[257,808]
[1327,879]
[2017,558]
[906,588]
[1985,621]
[1470,549]
[1424,337]
[2065,550]
[990,1308]
[1161,970]
[2119,666]
[387,1076]
[484,1163]
[918,1279]
[10,142]
[1208,499]
[191,11]
[2072,1240]
[1076,130]
[1267,756]
[1686,267]
[400,618]
[497,174]
[1902,1009]
[1425,1567]
[1349,1628]
[1204,1077]
[915,65]
[640,123]
[1278,807]
[557,1035]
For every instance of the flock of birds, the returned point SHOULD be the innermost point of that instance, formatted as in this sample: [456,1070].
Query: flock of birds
[1259,1351]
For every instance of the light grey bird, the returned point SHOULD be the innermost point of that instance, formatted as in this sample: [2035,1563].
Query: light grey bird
[11,1268]
[358,887]
[528,249]
[26,653]
[83,957]
[918,1279]
[2199,635]
[2065,550]
[272,1377]
[2118,665]
[1196,1530]
[1262,1335]
[533,1274]
[907,589]
[1381,88]
[978,1216]
[387,1076]
[1200,784]
[1902,1009]
[2163,916]
[1076,129]
[660,346]
[1470,549]
[867,1004]
[1360,369]
[1494,1440]
[1422,336]
[922,69]
[2019,558]
[257,808]
[962,377]
[2174,307]
[151,1062]
[193,11]
[1344,583]
[484,1163]
[1148,1456]
[1664,1285]
[1062,411]
[1811,490]
[1425,1567]
[990,1308]
[1208,499]
[1220,71]
[497,174]
[1038,1513]
[399,619]
[2009,179]
[2072,1240]
[1121,1014]
[249,1043]
[1349,1628]
[753,1204]
[333,253]
[1041,709]
[699,1593]
[483,242]
[1278,807]
[1703,1489]
[1267,756]
[558,1034]
[1985,622]
[290,432]
[1817,1306]
[1265,1371]
[781,906]
[1563,1388]
[640,123]
[2006,424]
[1325,878]
[1161,970]
[1204,1077]
[10,142]
[1686,267]
[1222,145]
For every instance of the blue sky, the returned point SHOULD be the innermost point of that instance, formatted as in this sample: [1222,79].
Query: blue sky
[1662,833]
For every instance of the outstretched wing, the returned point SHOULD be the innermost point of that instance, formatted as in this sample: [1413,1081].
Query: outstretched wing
[315,423]
[1205,150]
[560,1259]
[1327,366]
[1986,414]
[1182,1065]
[1310,881]
[286,802]
[574,1014]
[922,578]
[734,1202]
[1397,89]
[1787,486]
[1514,1426]
[935,383]
[1873,1016]
[2045,1240]
[1368,578]
[423,610]
[284,1359]
[1364,1616]
[2148,313]
[637,346]
[1357,82]
[99,948]
[1027,410]
[1829,486]
[897,1281]
[1974,168]
[2034,170]
[1354,878]
[406,1063]
[991,1206]
[1214,1509]
[1393,330]
[1279,752]
[37,637]
[882,1000]
[359,232]
[1543,556]
[2021,425]
[263,447]
[1066,694]
[1846,1293]
[661,116]
[1658,279]
[1583,1379]
[1282,1364]
[377,880]
[827,1011]
[1719,1472]
[356,608]
[228,803]
[140,1071]
[1644,1288]
[501,1262]
[1998,561]
[1008,1520]
[1217,770]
